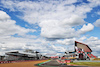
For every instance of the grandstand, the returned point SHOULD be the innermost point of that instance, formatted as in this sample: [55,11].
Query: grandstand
[82,52]
[1,58]
[26,55]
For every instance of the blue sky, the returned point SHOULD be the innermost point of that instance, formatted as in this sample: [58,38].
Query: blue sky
[49,26]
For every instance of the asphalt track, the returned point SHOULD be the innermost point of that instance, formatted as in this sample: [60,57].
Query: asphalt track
[54,63]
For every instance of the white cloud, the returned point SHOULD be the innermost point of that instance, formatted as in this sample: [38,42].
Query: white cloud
[4,16]
[71,41]
[82,38]
[52,29]
[98,12]
[92,38]
[97,23]
[74,20]
[57,19]
[66,41]
[20,44]
[48,14]
[8,42]
[94,3]
[82,9]
[86,28]
[8,27]
[58,48]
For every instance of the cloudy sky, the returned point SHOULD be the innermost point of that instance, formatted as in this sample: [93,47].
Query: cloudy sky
[49,26]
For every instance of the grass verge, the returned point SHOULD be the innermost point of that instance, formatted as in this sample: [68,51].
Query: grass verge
[97,59]
[86,63]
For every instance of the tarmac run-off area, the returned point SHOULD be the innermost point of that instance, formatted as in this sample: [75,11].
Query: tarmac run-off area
[55,63]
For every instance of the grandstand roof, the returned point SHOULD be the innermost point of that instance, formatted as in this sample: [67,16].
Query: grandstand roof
[21,54]
[83,46]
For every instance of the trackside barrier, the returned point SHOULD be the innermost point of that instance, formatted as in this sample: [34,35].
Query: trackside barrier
[68,61]
[2,62]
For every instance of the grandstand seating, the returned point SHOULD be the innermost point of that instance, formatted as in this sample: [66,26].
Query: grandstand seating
[91,56]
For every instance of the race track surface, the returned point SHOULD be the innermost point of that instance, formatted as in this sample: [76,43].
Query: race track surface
[54,63]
